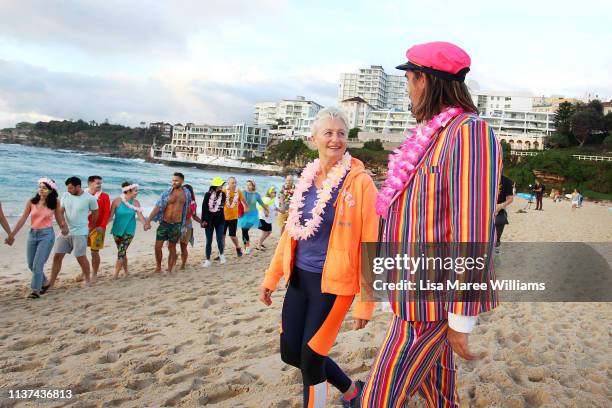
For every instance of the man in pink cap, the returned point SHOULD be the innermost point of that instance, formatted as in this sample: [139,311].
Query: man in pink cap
[441,188]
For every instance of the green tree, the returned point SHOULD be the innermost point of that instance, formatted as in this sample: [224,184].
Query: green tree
[353,133]
[607,122]
[562,118]
[584,122]
[596,106]
[375,145]
[287,151]
[607,143]
[506,152]
[559,140]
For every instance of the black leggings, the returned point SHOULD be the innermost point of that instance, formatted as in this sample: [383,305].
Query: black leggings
[310,324]
[245,235]
[499,230]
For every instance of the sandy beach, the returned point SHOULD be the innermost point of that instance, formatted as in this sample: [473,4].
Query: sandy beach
[200,337]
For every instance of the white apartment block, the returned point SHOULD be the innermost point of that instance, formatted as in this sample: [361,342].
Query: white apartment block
[290,111]
[198,142]
[303,128]
[357,110]
[522,130]
[379,89]
[491,102]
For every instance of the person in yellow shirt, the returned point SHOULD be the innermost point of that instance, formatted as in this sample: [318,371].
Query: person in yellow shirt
[230,210]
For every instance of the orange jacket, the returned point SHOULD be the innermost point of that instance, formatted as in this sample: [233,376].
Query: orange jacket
[355,222]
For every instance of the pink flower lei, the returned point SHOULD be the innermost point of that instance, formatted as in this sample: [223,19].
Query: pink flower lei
[294,227]
[213,202]
[234,201]
[403,161]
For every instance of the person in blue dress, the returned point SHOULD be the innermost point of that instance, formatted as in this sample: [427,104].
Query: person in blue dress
[250,218]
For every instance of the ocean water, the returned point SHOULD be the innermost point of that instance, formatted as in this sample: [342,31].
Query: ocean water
[22,166]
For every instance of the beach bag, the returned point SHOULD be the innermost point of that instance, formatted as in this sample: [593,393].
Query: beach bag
[240,209]
[501,218]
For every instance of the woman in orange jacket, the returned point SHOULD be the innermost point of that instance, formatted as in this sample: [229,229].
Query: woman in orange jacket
[319,254]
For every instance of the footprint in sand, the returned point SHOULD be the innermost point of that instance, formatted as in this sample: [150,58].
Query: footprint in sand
[152,336]
[152,366]
[212,339]
[28,342]
[87,348]
[222,393]
[172,368]
[187,299]
[210,301]
[17,368]
[108,358]
[141,382]
[172,398]
[228,351]
[177,349]
[130,348]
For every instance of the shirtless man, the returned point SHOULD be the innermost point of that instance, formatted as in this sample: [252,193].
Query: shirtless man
[171,213]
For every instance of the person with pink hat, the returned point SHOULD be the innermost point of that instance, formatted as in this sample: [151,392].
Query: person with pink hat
[441,188]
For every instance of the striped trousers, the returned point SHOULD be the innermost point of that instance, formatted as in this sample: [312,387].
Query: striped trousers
[415,356]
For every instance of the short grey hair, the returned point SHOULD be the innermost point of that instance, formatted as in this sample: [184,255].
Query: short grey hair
[330,112]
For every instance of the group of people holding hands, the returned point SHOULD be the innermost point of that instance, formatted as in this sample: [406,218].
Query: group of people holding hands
[83,214]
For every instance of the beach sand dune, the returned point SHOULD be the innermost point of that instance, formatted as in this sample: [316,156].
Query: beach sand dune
[202,338]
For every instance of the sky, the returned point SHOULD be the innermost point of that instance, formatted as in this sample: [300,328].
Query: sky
[201,61]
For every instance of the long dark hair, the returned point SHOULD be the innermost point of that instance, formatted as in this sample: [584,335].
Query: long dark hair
[50,202]
[188,187]
[440,93]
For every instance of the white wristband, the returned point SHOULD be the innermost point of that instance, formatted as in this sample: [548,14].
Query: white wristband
[460,323]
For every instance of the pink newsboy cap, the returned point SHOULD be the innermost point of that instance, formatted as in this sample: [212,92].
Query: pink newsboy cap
[439,58]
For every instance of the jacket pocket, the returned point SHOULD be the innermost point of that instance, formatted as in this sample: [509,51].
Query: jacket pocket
[339,267]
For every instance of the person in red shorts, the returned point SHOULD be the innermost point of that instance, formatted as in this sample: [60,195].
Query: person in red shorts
[95,239]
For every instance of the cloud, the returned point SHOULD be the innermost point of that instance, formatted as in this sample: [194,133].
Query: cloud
[210,61]
[36,91]
[126,28]
[179,95]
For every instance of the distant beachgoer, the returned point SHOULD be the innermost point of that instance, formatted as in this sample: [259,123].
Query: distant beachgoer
[266,220]
[188,236]
[125,209]
[250,218]
[3,222]
[233,198]
[576,199]
[95,239]
[171,212]
[213,220]
[76,205]
[504,199]
[539,191]
[557,196]
[284,199]
[41,209]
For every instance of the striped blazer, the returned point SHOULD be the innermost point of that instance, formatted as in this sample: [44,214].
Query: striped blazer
[450,199]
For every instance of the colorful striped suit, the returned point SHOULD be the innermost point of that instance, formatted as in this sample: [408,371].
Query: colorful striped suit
[451,199]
